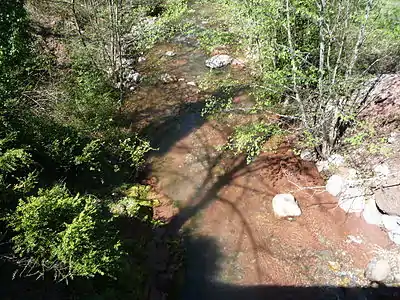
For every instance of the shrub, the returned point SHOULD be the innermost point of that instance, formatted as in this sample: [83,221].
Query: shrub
[65,234]
[249,139]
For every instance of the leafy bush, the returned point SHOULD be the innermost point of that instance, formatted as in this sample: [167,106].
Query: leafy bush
[65,234]
[91,102]
[16,176]
[249,139]
[134,201]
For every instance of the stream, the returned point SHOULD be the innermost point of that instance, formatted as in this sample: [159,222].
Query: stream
[235,247]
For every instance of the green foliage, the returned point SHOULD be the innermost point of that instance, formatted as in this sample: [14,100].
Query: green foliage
[16,178]
[14,46]
[136,199]
[132,151]
[249,139]
[214,105]
[211,38]
[313,56]
[91,102]
[65,234]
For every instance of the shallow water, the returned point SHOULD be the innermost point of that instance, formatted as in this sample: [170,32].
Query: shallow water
[236,240]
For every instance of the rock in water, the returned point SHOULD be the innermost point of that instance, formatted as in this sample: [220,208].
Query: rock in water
[218,61]
[335,185]
[378,271]
[371,214]
[285,205]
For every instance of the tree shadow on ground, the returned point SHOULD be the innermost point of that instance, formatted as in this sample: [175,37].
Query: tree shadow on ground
[165,132]
[203,263]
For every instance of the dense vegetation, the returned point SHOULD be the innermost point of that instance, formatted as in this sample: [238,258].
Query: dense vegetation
[67,170]
[311,59]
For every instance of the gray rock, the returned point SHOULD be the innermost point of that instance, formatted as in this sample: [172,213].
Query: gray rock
[335,185]
[218,61]
[388,200]
[371,214]
[394,138]
[285,205]
[352,200]
[391,223]
[378,270]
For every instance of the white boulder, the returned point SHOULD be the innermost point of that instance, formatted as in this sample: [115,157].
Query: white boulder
[335,185]
[371,214]
[394,137]
[352,200]
[336,160]
[285,205]
[391,223]
[218,61]
[382,170]
[394,237]
[378,271]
